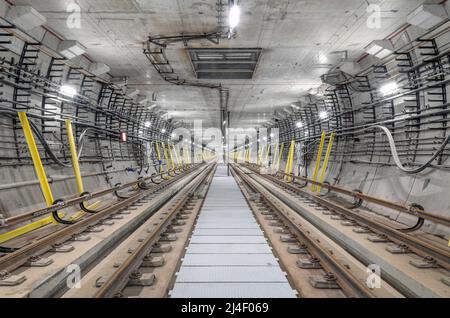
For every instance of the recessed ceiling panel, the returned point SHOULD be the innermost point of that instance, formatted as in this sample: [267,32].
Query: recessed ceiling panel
[225,63]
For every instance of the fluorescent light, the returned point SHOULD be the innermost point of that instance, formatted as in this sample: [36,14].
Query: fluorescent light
[173,135]
[323,115]
[147,124]
[272,135]
[389,88]
[380,48]
[313,91]
[163,131]
[235,13]
[427,16]
[323,59]
[265,138]
[299,124]
[70,49]
[67,90]
[383,53]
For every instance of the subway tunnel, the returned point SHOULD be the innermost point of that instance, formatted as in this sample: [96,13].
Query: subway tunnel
[224,149]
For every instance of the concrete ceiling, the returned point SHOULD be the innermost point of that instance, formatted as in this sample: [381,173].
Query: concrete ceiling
[297,38]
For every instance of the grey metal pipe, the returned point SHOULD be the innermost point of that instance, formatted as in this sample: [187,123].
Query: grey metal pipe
[53,179]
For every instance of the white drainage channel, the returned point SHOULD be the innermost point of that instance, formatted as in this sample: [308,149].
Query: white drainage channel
[228,255]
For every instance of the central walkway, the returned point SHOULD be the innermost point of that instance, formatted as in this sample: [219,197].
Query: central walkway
[228,255]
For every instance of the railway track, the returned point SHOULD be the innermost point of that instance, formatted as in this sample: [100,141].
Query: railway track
[413,251]
[127,273]
[129,212]
[318,243]
[323,265]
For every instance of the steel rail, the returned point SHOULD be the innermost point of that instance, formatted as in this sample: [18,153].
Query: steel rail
[71,202]
[15,259]
[349,283]
[119,279]
[416,245]
[409,209]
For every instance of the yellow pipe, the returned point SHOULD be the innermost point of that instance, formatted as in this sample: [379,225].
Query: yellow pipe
[267,155]
[166,156]
[288,169]
[39,168]
[318,160]
[169,150]
[159,157]
[274,157]
[261,153]
[325,163]
[188,155]
[25,229]
[280,156]
[4,237]
[178,155]
[74,153]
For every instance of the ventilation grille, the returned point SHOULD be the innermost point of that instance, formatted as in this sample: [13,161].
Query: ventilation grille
[224,63]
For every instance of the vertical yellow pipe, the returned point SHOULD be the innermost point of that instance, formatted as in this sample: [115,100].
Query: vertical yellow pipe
[178,155]
[261,154]
[171,156]
[159,157]
[166,156]
[318,160]
[288,169]
[39,168]
[74,153]
[267,156]
[274,158]
[280,156]
[325,163]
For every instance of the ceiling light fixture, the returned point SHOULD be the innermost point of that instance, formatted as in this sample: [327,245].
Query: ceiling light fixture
[389,88]
[323,115]
[313,91]
[299,124]
[67,90]
[380,48]
[163,131]
[147,124]
[235,13]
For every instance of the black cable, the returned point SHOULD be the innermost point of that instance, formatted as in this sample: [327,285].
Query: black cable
[47,148]
[57,217]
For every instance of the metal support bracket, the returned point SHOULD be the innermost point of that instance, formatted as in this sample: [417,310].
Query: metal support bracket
[6,279]
[309,263]
[37,261]
[141,279]
[327,281]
